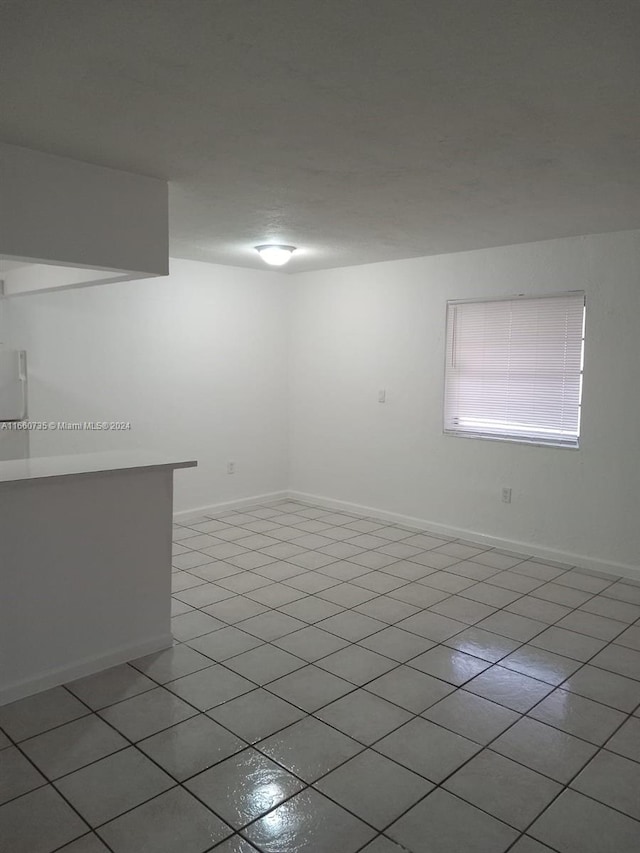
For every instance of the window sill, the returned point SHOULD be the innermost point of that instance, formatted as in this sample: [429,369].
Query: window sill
[504,439]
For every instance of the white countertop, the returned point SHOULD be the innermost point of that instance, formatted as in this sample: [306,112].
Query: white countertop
[43,467]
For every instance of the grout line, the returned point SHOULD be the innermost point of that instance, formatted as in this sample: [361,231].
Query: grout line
[130,744]
[49,784]
[436,643]
[397,665]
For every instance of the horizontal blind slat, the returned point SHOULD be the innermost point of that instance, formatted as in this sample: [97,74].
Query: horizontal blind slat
[514,367]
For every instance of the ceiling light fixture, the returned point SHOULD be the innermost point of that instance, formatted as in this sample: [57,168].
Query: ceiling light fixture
[274,254]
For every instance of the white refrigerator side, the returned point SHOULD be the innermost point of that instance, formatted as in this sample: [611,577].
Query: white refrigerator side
[14,437]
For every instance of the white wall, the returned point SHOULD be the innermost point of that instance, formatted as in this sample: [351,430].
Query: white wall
[358,329]
[196,362]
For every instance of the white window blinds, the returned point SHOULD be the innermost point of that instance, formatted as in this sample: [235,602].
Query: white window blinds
[514,368]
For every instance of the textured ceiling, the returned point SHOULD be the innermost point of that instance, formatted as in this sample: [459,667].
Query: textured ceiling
[358,130]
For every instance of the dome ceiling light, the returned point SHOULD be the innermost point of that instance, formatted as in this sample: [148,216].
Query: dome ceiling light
[274,254]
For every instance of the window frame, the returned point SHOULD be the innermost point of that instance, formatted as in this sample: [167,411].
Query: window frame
[554,444]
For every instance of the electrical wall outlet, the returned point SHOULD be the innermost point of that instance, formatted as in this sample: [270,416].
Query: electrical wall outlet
[506,495]
[382,395]
[231,467]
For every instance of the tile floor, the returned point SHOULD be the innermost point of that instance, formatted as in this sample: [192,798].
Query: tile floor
[340,684]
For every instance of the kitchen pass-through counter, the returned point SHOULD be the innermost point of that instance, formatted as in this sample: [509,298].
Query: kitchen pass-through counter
[85,565]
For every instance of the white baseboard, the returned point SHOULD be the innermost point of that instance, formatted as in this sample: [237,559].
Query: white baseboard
[87,666]
[527,549]
[213,509]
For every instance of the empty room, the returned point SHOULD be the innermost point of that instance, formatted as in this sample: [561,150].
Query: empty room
[319,426]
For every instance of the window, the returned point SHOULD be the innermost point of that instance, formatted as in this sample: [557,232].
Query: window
[514,369]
